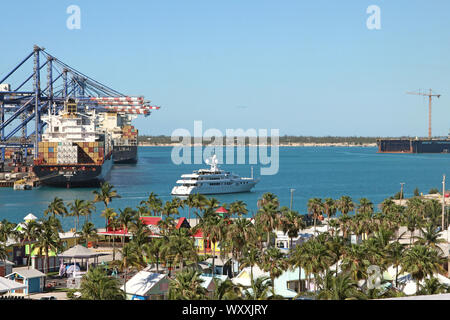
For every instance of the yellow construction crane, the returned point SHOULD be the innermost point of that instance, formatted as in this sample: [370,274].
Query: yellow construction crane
[429,95]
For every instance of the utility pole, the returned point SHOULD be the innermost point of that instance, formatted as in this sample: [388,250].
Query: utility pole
[292,192]
[401,192]
[443,202]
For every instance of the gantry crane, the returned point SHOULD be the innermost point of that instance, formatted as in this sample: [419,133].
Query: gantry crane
[26,103]
[430,96]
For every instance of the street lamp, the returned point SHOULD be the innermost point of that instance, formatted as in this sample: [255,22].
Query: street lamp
[401,192]
[292,192]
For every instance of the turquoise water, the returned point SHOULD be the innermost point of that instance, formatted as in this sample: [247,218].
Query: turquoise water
[311,171]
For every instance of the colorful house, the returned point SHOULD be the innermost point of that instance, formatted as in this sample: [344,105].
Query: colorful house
[5,267]
[33,280]
[147,286]
[286,285]
[204,245]
[209,284]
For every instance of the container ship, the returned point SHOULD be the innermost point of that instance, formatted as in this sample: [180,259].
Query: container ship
[414,145]
[124,136]
[74,151]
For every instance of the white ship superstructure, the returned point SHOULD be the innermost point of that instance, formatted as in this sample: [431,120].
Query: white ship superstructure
[212,181]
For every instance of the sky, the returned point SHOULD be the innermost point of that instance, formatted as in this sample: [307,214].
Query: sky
[303,67]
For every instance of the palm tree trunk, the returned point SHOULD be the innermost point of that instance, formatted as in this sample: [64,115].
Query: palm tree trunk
[29,253]
[213,258]
[299,280]
[114,248]
[396,276]
[47,260]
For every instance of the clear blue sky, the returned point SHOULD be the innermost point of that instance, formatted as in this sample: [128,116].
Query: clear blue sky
[304,67]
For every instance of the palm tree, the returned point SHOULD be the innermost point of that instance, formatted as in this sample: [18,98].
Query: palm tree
[251,257]
[355,261]
[139,231]
[315,209]
[180,247]
[291,223]
[6,230]
[329,208]
[421,261]
[153,251]
[432,286]
[364,206]
[395,254]
[212,228]
[97,285]
[87,232]
[29,233]
[190,202]
[132,256]
[153,203]
[387,206]
[240,232]
[268,198]
[47,237]
[77,208]
[259,289]
[126,216]
[339,287]
[108,214]
[225,290]
[345,205]
[317,258]
[106,194]
[274,262]
[268,218]
[114,224]
[170,208]
[199,203]
[431,237]
[3,253]
[239,208]
[413,221]
[56,207]
[187,285]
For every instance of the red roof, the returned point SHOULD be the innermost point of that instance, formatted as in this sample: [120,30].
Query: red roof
[180,222]
[150,220]
[111,232]
[198,234]
[221,210]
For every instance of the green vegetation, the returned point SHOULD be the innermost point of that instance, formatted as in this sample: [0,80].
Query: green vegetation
[335,266]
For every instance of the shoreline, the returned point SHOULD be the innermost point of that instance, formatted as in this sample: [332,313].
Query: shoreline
[268,145]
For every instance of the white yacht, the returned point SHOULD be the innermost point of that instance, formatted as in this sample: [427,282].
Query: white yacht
[212,181]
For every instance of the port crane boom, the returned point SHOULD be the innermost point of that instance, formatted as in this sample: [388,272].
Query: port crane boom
[430,96]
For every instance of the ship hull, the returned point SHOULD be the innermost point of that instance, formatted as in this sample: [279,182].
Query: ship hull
[125,154]
[413,145]
[68,176]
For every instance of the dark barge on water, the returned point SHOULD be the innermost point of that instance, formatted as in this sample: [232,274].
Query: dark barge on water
[414,145]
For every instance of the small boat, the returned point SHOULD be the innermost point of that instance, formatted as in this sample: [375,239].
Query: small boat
[22,185]
[212,181]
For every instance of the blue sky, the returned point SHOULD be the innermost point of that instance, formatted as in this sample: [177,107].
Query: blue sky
[304,67]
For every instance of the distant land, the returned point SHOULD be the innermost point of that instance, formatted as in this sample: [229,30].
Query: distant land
[294,141]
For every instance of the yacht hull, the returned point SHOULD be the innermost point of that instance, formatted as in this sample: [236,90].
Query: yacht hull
[208,190]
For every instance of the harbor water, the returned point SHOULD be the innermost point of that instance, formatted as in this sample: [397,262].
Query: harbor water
[312,171]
